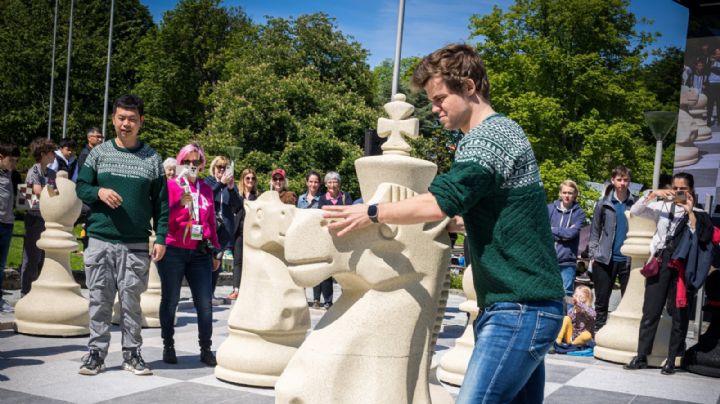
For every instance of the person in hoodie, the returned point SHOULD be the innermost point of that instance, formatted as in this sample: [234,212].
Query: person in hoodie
[607,234]
[64,159]
[566,220]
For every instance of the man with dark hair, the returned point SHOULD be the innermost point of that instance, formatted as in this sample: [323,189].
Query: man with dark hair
[494,185]
[607,234]
[124,183]
[64,159]
[94,138]
[9,154]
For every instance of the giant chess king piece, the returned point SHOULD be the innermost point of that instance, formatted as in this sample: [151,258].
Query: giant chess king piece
[375,344]
[54,306]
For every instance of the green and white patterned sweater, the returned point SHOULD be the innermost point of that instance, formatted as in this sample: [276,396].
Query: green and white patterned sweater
[494,184]
[137,175]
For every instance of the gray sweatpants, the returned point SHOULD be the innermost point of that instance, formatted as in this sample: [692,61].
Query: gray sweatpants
[110,269]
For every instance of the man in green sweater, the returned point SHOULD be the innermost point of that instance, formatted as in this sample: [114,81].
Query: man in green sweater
[123,182]
[494,186]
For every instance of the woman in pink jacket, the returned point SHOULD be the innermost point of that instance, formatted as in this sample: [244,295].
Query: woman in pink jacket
[192,248]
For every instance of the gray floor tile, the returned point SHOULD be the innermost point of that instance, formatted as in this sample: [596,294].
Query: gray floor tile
[560,374]
[192,393]
[569,394]
[17,397]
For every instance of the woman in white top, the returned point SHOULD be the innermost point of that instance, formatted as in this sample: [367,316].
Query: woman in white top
[674,212]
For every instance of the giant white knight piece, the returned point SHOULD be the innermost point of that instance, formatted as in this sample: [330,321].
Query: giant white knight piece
[375,344]
[54,306]
[270,317]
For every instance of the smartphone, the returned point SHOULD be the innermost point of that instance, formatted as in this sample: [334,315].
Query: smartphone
[680,197]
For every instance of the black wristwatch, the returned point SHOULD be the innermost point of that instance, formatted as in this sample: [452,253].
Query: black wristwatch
[373,212]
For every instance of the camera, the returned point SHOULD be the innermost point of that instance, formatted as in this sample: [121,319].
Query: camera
[680,197]
[205,247]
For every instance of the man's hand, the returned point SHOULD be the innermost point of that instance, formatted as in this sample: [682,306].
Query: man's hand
[216,264]
[353,217]
[110,197]
[158,252]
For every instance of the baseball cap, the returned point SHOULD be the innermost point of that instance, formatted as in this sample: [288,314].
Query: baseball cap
[278,171]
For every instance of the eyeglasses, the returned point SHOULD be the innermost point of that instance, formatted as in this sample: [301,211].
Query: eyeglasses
[250,179]
[196,163]
[278,178]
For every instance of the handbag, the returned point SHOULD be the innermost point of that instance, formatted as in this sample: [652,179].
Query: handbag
[651,268]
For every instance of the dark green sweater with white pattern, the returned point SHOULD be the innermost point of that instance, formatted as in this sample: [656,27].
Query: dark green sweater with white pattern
[137,175]
[494,184]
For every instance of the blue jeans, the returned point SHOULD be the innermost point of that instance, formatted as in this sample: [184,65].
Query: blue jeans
[507,363]
[197,268]
[6,232]
[568,277]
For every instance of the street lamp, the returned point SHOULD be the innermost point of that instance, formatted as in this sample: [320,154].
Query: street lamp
[660,123]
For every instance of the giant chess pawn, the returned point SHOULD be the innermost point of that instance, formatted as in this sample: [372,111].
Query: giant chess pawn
[270,317]
[55,306]
[617,341]
[453,364]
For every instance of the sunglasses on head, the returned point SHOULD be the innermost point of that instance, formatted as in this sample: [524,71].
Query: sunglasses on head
[193,162]
[220,167]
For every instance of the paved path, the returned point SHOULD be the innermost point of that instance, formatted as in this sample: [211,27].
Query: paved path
[44,370]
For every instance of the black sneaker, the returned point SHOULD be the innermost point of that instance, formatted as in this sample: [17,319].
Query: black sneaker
[169,355]
[207,357]
[133,362]
[92,364]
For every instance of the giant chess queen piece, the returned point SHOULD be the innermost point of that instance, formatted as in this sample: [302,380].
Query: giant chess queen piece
[270,318]
[54,306]
[617,341]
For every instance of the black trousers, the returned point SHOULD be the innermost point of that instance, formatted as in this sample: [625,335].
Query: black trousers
[660,291]
[33,256]
[326,287]
[603,277]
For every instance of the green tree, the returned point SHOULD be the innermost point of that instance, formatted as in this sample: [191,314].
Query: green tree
[567,72]
[289,101]
[26,44]
[179,64]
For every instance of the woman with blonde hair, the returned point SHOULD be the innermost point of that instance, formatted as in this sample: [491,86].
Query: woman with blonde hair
[566,220]
[248,192]
[227,204]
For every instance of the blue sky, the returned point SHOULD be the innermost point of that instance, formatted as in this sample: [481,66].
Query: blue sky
[429,24]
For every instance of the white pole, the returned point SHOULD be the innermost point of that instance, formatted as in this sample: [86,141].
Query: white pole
[107,71]
[398,47]
[658,161]
[67,72]
[52,71]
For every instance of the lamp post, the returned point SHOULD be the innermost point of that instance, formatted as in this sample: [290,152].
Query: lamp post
[660,123]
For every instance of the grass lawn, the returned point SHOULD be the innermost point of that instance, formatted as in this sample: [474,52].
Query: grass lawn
[16,248]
